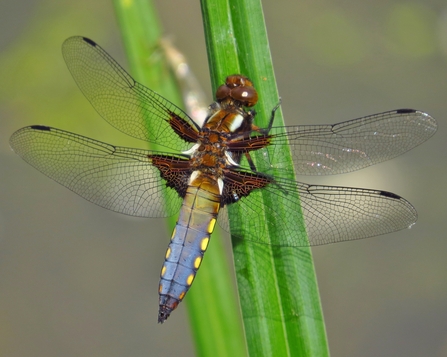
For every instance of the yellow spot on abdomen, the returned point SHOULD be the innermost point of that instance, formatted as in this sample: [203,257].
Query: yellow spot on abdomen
[168,253]
[173,233]
[160,288]
[190,279]
[204,244]
[182,295]
[211,225]
[197,262]
[163,270]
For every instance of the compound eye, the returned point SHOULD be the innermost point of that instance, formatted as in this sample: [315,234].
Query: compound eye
[222,92]
[246,95]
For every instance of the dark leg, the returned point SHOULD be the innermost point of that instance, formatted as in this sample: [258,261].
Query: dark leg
[272,118]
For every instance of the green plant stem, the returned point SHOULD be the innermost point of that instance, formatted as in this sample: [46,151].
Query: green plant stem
[277,285]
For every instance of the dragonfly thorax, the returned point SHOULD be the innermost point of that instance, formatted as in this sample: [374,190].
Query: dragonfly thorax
[209,155]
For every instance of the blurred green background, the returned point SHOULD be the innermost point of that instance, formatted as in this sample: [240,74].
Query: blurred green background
[78,280]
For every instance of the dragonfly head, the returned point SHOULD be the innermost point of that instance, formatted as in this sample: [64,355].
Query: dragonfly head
[237,88]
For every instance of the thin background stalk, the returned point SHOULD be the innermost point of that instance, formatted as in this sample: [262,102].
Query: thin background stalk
[213,310]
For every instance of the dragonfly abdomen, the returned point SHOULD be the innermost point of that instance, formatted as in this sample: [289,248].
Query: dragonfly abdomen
[189,242]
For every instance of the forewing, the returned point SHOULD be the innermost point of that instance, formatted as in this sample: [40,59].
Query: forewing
[123,102]
[117,178]
[331,214]
[347,146]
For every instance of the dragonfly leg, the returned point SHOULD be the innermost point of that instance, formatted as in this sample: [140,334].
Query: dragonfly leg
[272,118]
[250,161]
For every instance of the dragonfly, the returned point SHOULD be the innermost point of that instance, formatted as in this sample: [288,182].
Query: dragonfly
[223,161]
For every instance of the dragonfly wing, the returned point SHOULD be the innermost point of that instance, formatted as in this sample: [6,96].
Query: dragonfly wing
[350,145]
[331,214]
[335,214]
[123,102]
[117,178]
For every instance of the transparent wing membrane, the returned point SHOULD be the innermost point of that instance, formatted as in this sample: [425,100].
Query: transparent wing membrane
[117,178]
[350,145]
[123,102]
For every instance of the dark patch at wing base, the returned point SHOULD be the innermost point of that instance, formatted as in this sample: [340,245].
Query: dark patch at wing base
[174,170]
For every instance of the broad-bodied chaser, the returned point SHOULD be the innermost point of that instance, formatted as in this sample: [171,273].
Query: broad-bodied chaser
[226,160]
